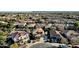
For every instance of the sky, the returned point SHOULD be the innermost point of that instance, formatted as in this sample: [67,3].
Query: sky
[39,5]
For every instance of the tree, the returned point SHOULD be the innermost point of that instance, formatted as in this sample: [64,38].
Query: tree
[2,40]
[77,24]
[15,45]
[3,36]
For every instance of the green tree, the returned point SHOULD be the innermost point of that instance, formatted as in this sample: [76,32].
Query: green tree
[77,24]
[15,45]
[2,40]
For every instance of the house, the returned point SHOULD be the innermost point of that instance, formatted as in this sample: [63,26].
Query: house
[40,25]
[49,25]
[54,36]
[19,24]
[60,27]
[18,36]
[30,23]
[47,34]
[39,34]
[3,22]
[70,25]
[39,30]
[72,36]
